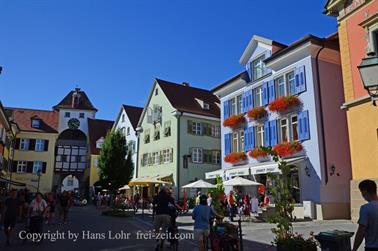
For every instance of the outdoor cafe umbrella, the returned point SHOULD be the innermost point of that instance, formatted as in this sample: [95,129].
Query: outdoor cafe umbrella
[146,181]
[125,187]
[239,181]
[199,184]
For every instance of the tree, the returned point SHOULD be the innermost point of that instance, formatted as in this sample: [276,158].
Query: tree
[115,170]
[217,194]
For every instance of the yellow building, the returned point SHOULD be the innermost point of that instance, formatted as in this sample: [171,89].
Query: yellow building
[358,35]
[33,162]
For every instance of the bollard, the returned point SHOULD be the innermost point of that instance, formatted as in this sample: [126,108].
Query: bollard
[240,235]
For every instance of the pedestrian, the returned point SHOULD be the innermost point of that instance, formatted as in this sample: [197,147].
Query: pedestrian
[254,205]
[51,203]
[368,220]
[232,205]
[198,198]
[37,212]
[11,210]
[64,207]
[98,200]
[209,200]
[202,215]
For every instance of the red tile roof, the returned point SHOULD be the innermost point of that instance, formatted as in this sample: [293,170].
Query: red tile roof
[97,128]
[134,113]
[182,97]
[23,117]
[84,102]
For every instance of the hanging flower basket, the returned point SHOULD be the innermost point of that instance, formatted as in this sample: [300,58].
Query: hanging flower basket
[259,154]
[282,104]
[288,149]
[234,121]
[235,157]
[257,113]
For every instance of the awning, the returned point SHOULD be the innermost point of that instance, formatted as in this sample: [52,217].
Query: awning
[146,180]
[272,167]
[238,171]
[214,174]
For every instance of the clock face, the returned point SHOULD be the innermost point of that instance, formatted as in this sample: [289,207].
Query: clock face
[73,123]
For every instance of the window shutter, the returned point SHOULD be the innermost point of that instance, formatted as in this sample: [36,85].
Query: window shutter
[268,53]
[304,128]
[266,134]
[272,93]
[29,166]
[160,157]
[31,144]
[244,99]
[44,164]
[249,100]
[249,69]
[273,133]
[265,98]
[190,125]
[302,79]
[17,146]
[14,166]
[225,109]
[246,139]
[227,143]
[171,155]
[149,159]
[252,137]
[46,145]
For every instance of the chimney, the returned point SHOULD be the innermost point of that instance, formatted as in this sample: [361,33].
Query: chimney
[186,84]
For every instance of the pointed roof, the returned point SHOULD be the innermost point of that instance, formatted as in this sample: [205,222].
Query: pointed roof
[83,104]
[97,128]
[184,98]
[134,113]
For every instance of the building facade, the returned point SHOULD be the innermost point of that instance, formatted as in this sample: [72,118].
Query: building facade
[179,134]
[288,99]
[358,36]
[127,121]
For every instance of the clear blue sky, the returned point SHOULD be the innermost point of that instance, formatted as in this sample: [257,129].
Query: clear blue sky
[113,49]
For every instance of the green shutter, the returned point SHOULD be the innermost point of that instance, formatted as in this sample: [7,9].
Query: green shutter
[190,126]
[171,154]
[160,157]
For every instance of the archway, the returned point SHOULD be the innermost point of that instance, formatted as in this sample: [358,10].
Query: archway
[70,183]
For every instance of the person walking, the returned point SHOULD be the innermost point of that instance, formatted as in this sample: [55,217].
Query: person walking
[198,198]
[64,207]
[368,220]
[37,211]
[11,210]
[232,205]
[209,200]
[51,203]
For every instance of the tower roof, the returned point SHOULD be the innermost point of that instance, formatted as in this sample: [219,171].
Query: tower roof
[76,99]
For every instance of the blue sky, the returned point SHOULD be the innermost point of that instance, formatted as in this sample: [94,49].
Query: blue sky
[113,49]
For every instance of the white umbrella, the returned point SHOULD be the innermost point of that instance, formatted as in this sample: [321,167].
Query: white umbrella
[239,181]
[199,184]
[125,187]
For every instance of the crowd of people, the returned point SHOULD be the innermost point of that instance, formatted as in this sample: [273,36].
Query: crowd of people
[32,210]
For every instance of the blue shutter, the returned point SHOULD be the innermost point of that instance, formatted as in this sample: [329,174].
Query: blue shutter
[249,100]
[300,79]
[225,109]
[249,142]
[265,99]
[252,137]
[227,143]
[249,69]
[304,128]
[266,134]
[273,133]
[246,139]
[272,93]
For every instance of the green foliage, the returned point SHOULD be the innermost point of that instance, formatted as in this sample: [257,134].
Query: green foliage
[216,194]
[114,170]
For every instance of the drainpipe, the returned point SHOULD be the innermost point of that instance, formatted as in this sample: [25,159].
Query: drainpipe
[321,114]
[11,158]
[178,116]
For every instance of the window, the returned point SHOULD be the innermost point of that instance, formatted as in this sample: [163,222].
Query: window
[290,79]
[281,86]
[259,136]
[235,141]
[156,91]
[284,130]
[241,141]
[197,155]
[39,145]
[36,123]
[166,156]
[100,142]
[145,159]
[258,93]
[232,106]
[81,115]
[157,133]
[216,157]
[206,106]
[215,131]
[131,146]
[239,104]
[123,117]
[196,128]
[155,158]
[258,68]
[21,166]
[128,130]
[294,127]
[24,144]
[37,166]
[167,129]
[67,114]
[147,136]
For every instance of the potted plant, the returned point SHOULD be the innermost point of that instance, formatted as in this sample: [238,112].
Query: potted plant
[258,154]
[288,149]
[257,113]
[284,103]
[235,157]
[234,121]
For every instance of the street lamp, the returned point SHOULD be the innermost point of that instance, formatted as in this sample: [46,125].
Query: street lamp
[369,75]
[39,174]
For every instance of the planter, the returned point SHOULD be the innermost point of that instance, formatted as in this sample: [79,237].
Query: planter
[259,155]
[236,158]
[257,113]
[234,121]
[288,149]
[284,104]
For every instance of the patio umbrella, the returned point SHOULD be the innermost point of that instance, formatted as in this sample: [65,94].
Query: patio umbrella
[145,181]
[199,184]
[125,187]
[239,181]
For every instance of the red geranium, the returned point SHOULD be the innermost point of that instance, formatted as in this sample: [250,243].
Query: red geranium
[257,113]
[287,149]
[235,157]
[281,104]
[257,153]
[234,121]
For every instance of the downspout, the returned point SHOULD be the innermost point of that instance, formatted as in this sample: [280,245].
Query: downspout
[321,114]
[178,115]
[11,159]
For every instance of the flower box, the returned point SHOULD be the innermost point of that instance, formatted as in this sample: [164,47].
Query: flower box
[288,149]
[283,104]
[258,154]
[257,113]
[235,158]
[234,121]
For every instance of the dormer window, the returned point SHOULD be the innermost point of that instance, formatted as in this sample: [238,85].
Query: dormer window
[203,104]
[206,106]
[100,142]
[258,68]
[36,123]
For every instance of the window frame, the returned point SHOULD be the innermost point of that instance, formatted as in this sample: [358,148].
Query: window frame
[216,157]
[155,156]
[67,114]
[24,144]
[257,92]
[39,145]
[197,155]
[21,166]
[35,166]
[196,128]
[259,135]
[287,130]
[166,156]
[292,127]
[36,123]
[258,63]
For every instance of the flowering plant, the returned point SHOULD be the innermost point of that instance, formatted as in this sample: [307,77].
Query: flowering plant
[235,157]
[287,149]
[257,153]
[295,241]
[257,113]
[234,121]
[281,104]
